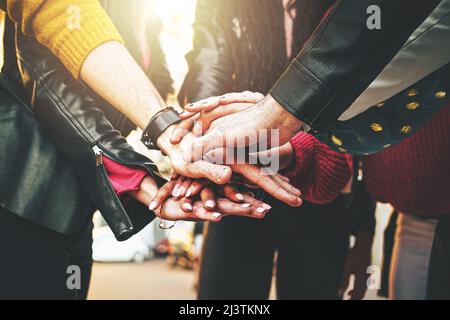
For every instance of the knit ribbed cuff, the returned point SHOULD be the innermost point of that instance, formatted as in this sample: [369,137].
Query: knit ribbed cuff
[302,144]
[87,27]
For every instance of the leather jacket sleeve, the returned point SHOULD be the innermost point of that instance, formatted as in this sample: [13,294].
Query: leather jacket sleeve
[343,56]
[73,119]
[210,62]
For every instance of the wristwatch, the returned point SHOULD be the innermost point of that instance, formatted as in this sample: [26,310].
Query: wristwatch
[157,125]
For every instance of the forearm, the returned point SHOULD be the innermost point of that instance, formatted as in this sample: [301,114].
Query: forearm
[114,75]
[92,50]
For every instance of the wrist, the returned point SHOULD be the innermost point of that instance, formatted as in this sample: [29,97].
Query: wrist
[163,142]
[157,129]
[286,153]
[275,116]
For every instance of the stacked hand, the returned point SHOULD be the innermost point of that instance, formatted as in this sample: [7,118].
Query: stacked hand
[186,199]
[244,118]
[200,187]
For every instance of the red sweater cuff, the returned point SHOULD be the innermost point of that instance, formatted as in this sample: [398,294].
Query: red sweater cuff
[319,172]
[123,179]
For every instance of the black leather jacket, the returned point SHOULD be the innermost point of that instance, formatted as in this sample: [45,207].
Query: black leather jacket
[343,57]
[74,118]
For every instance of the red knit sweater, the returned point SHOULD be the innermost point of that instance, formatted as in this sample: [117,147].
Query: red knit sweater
[414,175]
[319,172]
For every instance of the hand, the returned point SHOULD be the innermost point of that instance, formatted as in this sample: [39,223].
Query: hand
[252,126]
[198,116]
[274,184]
[245,166]
[210,208]
[219,174]
[356,264]
[204,112]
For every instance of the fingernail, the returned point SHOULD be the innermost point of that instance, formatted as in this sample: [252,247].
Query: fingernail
[176,191]
[217,215]
[266,206]
[188,192]
[239,196]
[260,210]
[153,205]
[187,206]
[180,191]
[197,127]
[246,205]
[210,204]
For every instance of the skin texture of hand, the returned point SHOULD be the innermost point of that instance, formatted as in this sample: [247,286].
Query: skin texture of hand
[248,127]
[356,264]
[218,174]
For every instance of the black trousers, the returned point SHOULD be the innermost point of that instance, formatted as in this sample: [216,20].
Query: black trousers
[35,261]
[311,244]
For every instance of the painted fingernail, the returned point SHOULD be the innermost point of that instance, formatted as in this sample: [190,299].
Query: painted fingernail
[197,127]
[187,206]
[153,205]
[176,191]
[188,192]
[246,205]
[260,210]
[210,204]
[266,206]
[181,191]
[239,196]
[217,215]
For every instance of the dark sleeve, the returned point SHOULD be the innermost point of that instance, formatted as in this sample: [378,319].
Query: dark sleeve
[343,57]
[210,63]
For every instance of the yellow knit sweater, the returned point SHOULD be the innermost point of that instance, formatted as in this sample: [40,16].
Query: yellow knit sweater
[71,29]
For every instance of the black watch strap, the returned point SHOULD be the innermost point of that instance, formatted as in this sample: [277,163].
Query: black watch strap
[157,125]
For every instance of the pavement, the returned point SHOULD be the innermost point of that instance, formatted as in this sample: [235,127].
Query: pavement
[153,279]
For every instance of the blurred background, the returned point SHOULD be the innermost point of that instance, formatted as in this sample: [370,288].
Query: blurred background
[157,264]
[154,264]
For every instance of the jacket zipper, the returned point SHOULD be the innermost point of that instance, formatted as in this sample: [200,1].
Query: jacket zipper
[99,163]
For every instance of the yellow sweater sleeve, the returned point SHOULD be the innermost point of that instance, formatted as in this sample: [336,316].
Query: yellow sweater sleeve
[71,29]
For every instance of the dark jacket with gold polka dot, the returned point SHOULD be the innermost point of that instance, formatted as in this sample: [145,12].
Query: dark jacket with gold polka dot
[393,120]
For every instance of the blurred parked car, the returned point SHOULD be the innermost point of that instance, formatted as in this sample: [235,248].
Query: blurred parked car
[107,249]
